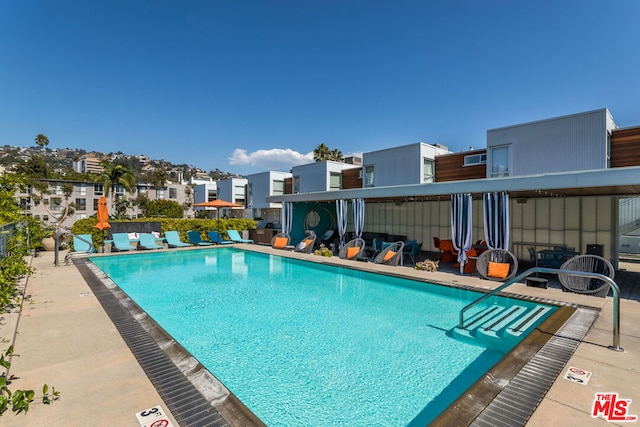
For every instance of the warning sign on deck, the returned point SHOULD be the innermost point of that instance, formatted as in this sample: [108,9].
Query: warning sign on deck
[153,417]
[577,375]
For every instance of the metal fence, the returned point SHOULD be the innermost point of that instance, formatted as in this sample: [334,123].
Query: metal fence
[6,232]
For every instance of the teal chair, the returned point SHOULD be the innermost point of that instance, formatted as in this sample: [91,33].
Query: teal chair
[234,235]
[83,243]
[121,242]
[194,237]
[173,240]
[147,241]
[216,238]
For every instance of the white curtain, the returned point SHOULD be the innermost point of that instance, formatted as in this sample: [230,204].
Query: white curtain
[341,214]
[496,220]
[287,217]
[461,225]
[358,216]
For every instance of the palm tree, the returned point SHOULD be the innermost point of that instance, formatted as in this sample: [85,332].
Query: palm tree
[336,155]
[114,175]
[41,140]
[321,153]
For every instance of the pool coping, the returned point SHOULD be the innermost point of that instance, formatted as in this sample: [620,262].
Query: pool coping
[507,394]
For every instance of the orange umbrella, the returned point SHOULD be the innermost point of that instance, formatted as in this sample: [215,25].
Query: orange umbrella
[218,203]
[103,216]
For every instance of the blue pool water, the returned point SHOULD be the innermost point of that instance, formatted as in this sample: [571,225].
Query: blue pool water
[306,344]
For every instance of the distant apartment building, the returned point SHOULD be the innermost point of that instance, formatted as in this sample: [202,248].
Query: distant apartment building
[87,164]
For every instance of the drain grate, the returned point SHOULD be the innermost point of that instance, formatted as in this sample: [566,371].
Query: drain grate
[186,403]
[514,405]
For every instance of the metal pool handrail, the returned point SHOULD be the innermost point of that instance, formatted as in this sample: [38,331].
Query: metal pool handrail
[614,286]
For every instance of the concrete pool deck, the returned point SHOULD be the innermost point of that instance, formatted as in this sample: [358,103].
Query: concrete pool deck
[66,340]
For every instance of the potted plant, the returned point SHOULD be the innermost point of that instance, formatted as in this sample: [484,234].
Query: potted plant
[323,251]
[427,265]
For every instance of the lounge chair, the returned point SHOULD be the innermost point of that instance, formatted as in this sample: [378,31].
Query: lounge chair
[352,249]
[194,237]
[147,241]
[83,243]
[121,242]
[234,235]
[216,238]
[82,246]
[280,241]
[587,285]
[306,245]
[391,255]
[173,239]
[497,264]
[412,249]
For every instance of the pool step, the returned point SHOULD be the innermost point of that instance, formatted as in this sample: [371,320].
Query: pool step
[500,327]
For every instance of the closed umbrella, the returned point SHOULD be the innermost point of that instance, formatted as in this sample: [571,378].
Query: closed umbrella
[341,213]
[103,217]
[461,225]
[496,220]
[218,203]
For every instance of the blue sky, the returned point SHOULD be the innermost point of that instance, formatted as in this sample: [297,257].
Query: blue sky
[248,86]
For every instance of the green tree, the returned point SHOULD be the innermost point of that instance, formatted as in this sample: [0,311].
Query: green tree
[35,167]
[336,155]
[164,209]
[41,140]
[10,210]
[114,175]
[321,153]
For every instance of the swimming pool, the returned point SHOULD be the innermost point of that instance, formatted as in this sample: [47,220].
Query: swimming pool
[307,344]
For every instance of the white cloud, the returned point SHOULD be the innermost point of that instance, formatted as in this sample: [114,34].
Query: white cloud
[273,159]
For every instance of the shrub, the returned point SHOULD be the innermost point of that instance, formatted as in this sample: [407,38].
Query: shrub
[323,251]
[427,265]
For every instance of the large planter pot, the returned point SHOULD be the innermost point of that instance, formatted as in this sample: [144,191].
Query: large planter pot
[49,243]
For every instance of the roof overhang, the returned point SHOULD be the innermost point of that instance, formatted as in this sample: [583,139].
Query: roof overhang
[617,181]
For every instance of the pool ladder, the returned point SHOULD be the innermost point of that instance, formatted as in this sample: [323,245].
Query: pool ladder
[518,278]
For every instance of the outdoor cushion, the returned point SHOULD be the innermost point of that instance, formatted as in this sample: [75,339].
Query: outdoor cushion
[307,242]
[280,242]
[499,270]
[388,256]
[351,252]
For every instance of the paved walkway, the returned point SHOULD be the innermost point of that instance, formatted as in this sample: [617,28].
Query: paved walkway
[66,340]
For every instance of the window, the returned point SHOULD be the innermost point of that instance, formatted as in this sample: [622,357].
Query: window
[119,190]
[428,166]
[211,195]
[278,188]
[56,204]
[368,176]
[250,194]
[239,193]
[81,204]
[82,189]
[173,193]
[475,159]
[500,161]
[296,184]
[98,189]
[95,204]
[335,181]
[160,193]
[81,215]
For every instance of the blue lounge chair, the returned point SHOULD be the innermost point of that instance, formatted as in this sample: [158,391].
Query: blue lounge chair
[173,240]
[83,243]
[194,237]
[82,246]
[147,241]
[234,235]
[121,242]
[216,238]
